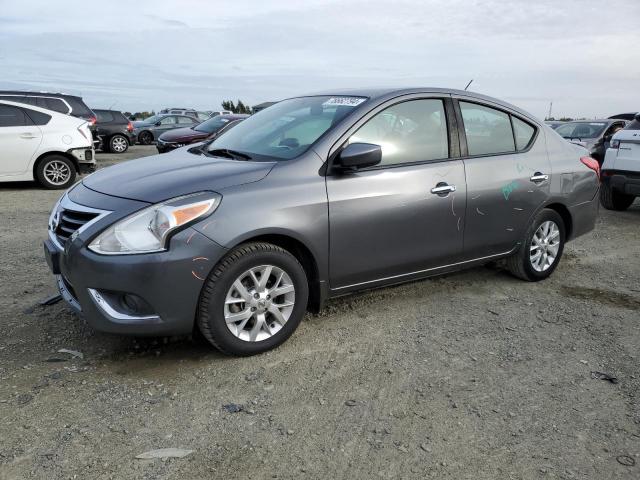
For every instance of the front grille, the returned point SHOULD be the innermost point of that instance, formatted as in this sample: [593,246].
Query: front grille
[69,222]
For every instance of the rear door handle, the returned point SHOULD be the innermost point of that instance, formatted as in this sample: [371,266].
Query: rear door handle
[443,189]
[539,177]
[27,135]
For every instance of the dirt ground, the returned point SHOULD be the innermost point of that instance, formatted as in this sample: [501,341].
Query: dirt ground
[474,375]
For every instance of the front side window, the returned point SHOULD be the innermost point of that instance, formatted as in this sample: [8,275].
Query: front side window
[12,117]
[488,130]
[413,131]
[523,133]
[288,128]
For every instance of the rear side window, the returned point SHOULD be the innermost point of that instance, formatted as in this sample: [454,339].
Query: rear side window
[12,117]
[78,108]
[56,105]
[408,132]
[488,130]
[168,121]
[186,120]
[104,117]
[38,118]
[523,133]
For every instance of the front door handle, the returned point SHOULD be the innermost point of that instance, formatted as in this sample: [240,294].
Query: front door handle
[443,189]
[539,177]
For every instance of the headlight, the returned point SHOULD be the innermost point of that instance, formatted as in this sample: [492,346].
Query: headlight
[148,230]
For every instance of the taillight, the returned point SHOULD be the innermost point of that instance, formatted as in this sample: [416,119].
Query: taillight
[92,120]
[130,127]
[592,163]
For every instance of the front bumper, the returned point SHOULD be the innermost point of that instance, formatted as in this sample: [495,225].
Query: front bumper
[623,181]
[164,147]
[143,294]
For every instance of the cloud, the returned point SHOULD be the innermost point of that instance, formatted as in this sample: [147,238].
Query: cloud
[199,53]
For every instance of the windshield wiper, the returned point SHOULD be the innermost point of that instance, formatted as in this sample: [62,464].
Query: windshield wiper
[228,153]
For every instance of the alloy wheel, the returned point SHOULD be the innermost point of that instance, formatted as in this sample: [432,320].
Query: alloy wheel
[57,172]
[259,303]
[544,247]
[119,144]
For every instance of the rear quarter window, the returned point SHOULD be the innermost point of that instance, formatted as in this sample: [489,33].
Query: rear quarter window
[523,132]
[56,105]
[38,118]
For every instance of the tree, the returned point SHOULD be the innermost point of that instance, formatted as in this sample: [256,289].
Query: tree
[236,107]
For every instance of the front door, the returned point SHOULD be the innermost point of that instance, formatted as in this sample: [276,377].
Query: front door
[507,173]
[405,215]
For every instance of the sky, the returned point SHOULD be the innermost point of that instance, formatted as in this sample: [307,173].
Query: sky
[582,55]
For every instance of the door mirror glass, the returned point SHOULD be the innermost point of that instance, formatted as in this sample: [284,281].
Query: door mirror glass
[157,124]
[359,155]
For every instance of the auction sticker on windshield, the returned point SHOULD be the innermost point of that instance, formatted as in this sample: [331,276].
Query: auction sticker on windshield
[344,101]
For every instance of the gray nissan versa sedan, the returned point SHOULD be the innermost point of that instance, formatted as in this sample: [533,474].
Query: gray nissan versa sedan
[312,198]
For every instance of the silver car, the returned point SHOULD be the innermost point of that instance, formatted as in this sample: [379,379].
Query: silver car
[313,198]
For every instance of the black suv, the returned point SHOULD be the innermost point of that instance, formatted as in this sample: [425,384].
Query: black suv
[58,102]
[114,131]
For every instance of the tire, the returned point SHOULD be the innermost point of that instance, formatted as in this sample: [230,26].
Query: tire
[613,200]
[118,144]
[55,172]
[220,298]
[521,265]
[145,138]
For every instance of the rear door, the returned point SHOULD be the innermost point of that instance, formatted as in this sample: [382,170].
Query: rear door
[387,222]
[19,138]
[507,172]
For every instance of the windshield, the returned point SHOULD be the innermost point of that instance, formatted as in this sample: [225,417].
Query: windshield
[581,129]
[153,119]
[212,125]
[286,129]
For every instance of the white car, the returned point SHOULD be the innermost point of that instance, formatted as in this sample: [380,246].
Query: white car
[43,145]
[621,168]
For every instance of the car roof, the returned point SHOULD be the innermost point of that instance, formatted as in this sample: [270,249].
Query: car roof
[105,110]
[389,93]
[37,94]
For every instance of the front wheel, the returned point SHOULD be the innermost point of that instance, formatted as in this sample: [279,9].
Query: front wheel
[541,248]
[253,300]
[55,172]
[614,200]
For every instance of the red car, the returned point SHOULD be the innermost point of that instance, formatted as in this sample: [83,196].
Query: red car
[213,127]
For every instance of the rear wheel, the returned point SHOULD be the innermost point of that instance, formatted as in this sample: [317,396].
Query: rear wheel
[118,144]
[55,172]
[541,248]
[614,200]
[253,300]
[145,138]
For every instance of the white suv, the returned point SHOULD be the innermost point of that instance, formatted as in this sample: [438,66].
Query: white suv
[43,145]
[621,168]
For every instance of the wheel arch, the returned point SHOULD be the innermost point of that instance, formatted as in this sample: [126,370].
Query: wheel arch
[562,210]
[303,254]
[68,156]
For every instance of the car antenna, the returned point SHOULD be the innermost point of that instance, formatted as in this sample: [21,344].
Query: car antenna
[468,84]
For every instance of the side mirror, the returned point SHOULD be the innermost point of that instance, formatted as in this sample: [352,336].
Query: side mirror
[607,138]
[359,155]
[157,124]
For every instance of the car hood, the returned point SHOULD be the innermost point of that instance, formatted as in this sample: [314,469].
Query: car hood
[181,134]
[160,177]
